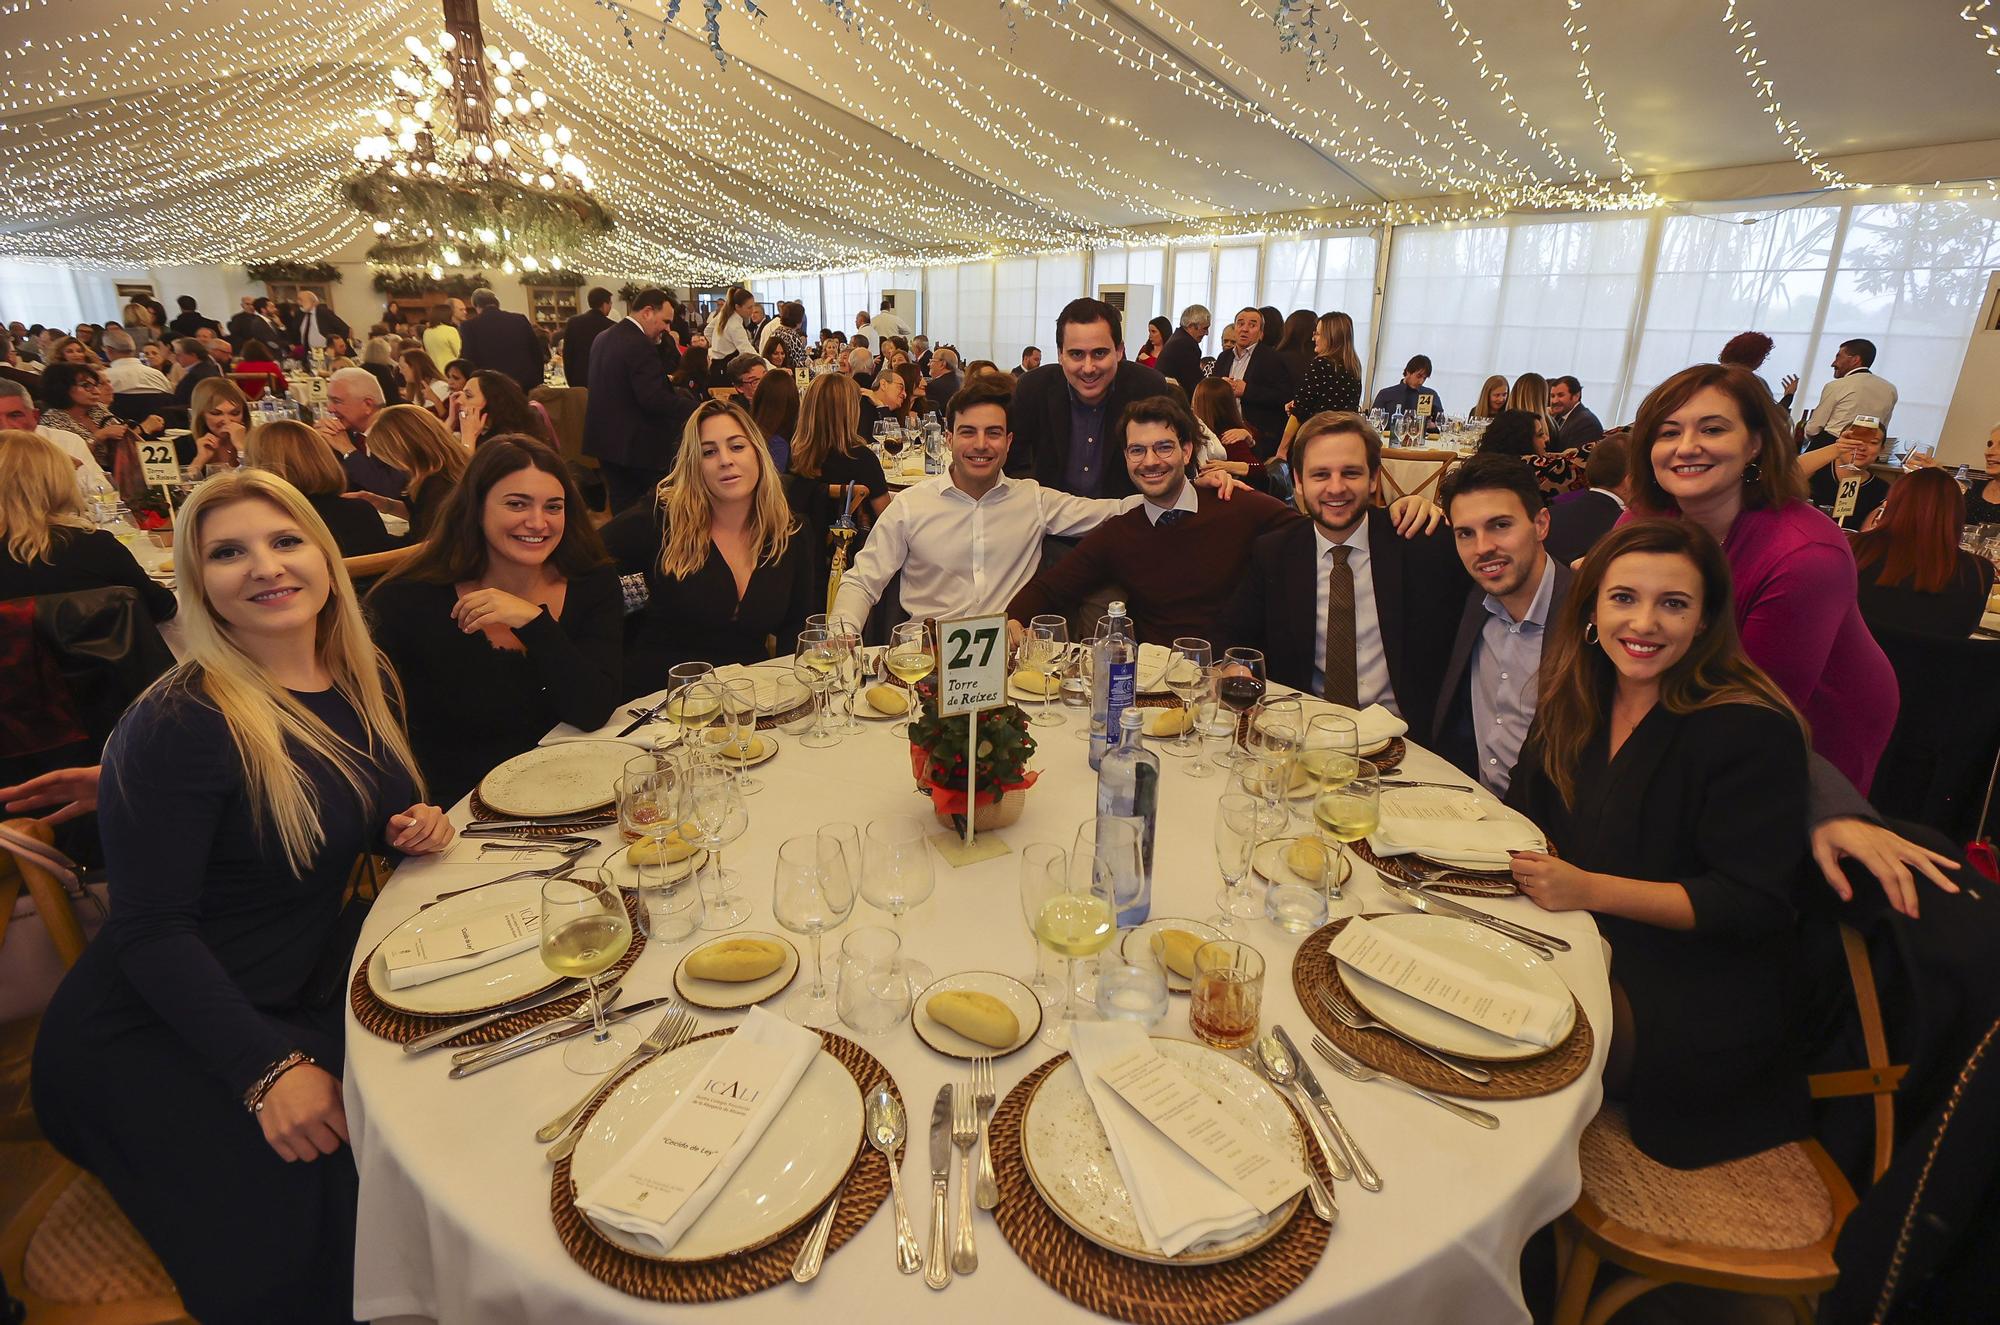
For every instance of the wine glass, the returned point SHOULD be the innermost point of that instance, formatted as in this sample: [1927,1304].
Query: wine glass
[739,721]
[698,711]
[1215,732]
[1239,681]
[650,792]
[1038,861]
[1042,651]
[1266,780]
[896,876]
[847,640]
[715,816]
[817,665]
[1348,812]
[1238,820]
[679,677]
[811,893]
[1331,746]
[585,931]
[889,437]
[909,660]
[1076,913]
[1190,673]
[1083,680]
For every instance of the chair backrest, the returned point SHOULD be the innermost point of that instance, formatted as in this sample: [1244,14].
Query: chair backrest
[255,384]
[1413,472]
[565,407]
[1941,754]
[106,648]
[1879,1079]
[374,565]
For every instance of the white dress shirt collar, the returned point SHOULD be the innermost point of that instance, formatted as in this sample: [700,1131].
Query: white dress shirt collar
[1187,501]
[1538,610]
[1358,540]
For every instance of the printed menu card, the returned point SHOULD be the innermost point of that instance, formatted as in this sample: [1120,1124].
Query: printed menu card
[1411,968]
[418,958]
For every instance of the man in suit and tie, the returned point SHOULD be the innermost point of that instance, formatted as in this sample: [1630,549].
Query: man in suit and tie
[196,363]
[1578,519]
[1180,358]
[633,421]
[504,342]
[1491,682]
[1577,428]
[1262,379]
[1340,604]
[316,323]
[579,333]
[1066,414]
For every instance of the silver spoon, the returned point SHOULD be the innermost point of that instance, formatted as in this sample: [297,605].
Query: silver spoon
[887,1126]
[1279,1069]
[1274,1053]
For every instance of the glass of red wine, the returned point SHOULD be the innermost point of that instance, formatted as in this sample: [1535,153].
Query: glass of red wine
[1239,684]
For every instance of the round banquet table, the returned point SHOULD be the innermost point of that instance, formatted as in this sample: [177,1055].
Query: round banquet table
[454,1220]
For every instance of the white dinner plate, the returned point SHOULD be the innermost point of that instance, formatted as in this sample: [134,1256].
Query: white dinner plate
[1070,1163]
[726,995]
[1139,941]
[485,987]
[1494,956]
[1018,997]
[786,1177]
[1021,695]
[552,780]
[1270,865]
[778,691]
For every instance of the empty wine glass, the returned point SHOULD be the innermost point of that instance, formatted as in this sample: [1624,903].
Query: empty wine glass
[896,876]
[717,817]
[1039,860]
[1238,820]
[585,931]
[739,721]
[853,670]
[650,794]
[811,893]
[1190,675]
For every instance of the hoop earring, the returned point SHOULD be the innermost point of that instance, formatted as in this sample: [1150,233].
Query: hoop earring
[1752,472]
[1590,631]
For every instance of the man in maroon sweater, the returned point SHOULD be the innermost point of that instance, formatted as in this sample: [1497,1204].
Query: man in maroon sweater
[1178,555]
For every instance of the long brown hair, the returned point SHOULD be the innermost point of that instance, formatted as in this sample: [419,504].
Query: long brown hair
[688,511]
[1215,405]
[775,407]
[1482,410]
[296,454]
[1778,480]
[455,550]
[410,438]
[829,422]
[1917,541]
[1579,678]
[1338,329]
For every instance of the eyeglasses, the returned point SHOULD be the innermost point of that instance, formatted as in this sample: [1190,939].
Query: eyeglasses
[1159,450]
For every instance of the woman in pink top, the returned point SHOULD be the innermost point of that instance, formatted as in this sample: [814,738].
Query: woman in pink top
[1721,455]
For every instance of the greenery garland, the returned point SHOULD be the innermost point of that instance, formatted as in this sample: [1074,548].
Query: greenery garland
[533,220]
[292,273]
[407,284]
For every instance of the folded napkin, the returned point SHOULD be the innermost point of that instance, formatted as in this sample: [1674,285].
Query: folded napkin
[660,1187]
[1500,1006]
[1151,673]
[1177,1202]
[643,739]
[1372,725]
[418,959]
[1479,843]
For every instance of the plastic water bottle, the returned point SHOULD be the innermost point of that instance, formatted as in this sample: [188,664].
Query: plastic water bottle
[1114,679]
[1128,787]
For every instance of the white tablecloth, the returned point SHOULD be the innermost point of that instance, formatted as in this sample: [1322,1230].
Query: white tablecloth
[454,1216]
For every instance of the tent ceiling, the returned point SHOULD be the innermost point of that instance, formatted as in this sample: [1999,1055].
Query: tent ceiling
[216,130]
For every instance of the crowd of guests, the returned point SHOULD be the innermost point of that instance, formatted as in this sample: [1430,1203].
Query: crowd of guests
[1650,640]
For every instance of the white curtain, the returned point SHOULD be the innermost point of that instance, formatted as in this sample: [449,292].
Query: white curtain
[1347,285]
[975,311]
[1191,268]
[1058,279]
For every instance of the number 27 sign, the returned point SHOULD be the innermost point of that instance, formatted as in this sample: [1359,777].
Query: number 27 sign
[972,658]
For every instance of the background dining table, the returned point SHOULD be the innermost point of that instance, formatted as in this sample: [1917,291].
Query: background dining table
[454,1221]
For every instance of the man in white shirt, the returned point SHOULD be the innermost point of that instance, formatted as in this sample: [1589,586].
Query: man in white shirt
[887,324]
[124,369]
[1854,390]
[18,414]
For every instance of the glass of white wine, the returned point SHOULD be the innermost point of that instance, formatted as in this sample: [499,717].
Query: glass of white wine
[909,660]
[1038,861]
[817,665]
[1347,812]
[1076,915]
[1190,675]
[585,931]
[739,721]
[1042,652]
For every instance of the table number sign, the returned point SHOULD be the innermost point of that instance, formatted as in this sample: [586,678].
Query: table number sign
[162,465]
[972,675]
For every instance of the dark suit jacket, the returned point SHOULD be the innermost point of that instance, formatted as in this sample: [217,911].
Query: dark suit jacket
[1268,386]
[1451,733]
[1040,419]
[506,343]
[186,324]
[252,326]
[1578,429]
[329,325]
[578,335]
[1419,591]
[1577,520]
[1180,361]
[632,416]
[184,389]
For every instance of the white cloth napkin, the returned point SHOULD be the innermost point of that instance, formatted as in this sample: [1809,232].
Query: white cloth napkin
[1151,673]
[1500,1006]
[642,739]
[1477,843]
[1372,725]
[1177,1202]
[799,1045]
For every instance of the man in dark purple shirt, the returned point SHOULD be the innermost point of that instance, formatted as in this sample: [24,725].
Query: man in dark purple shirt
[1065,414]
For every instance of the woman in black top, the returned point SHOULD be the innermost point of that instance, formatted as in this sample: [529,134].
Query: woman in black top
[725,563]
[79,402]
[493,405]
[827,456]
[508,620]
[1912,575]
[409,438]
[1669,774]
[191,1059]
[47,545]
[1333,378]
[1524,434]
[301,457]
[1982,503]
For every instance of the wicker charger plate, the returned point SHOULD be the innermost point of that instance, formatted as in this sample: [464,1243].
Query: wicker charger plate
[485,813]
[1465,885]
[741,1273]
[1137,1291]
[1315,971]
[399,1027]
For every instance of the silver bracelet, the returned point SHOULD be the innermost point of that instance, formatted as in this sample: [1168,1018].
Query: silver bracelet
[253,1098]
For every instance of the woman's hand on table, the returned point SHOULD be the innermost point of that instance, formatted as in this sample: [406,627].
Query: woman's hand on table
[1550,883]
[493,607]
[302,1116]
[421,830]
[1883,854]
[72,790]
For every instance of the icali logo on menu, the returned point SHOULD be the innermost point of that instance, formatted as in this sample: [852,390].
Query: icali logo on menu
[734,1091]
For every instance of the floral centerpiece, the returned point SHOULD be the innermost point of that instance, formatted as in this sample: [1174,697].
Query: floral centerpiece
[1001,776]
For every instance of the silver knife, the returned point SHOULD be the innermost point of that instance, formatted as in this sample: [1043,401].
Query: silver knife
[492,827]
[437,1037]
[937,1270]
[1431,903]
[556,1034]
[1364,1172]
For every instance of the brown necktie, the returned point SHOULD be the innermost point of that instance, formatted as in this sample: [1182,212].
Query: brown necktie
[1341,686]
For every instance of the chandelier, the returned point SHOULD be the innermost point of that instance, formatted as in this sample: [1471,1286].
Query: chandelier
[463,164]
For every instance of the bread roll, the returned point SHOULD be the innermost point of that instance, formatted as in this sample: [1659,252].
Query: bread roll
[1177,948]
[888,699]
[1306,857]
[730,747]
[735,960]
[1165,722]
[1035,683]
[670,851]
[976,1016]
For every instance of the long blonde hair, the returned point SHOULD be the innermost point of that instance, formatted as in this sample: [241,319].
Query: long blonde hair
[410,438]
[829,422]
[685,506]
[38,495]
[297,454]
[204,399]
[1482,410]
[270,727]
[1531,393]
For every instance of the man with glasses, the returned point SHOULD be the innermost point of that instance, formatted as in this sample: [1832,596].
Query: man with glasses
[1177,555]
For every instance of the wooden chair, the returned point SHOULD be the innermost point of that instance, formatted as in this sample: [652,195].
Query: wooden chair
[68,1253]
[1408,471]
[1764,1225]
[374,565]
[265,383]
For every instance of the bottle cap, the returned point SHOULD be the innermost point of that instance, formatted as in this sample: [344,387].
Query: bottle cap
[1117,608]
[1129,718]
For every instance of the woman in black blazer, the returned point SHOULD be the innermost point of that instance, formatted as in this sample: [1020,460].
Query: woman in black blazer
[1669,774]
[301,457]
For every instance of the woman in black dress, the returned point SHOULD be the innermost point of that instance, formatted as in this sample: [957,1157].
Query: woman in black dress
[300,456]
[191,1059]
[1333,378]
[726,566]
[1913,576]
[493,405]
[507,622]
[1670,776]
[828,456]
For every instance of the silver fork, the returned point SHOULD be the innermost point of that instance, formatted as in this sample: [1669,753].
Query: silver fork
[984,1094]
[671,1032]
[1355,1070]
[1427,874]
[964,1134]
[553,872]
[1356,1021]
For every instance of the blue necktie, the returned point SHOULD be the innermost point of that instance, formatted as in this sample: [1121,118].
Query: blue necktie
[1168,518]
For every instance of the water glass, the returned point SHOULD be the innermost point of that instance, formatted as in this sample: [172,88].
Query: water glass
[1215,731]
[874,984]
[1228,993]
[1131,987]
